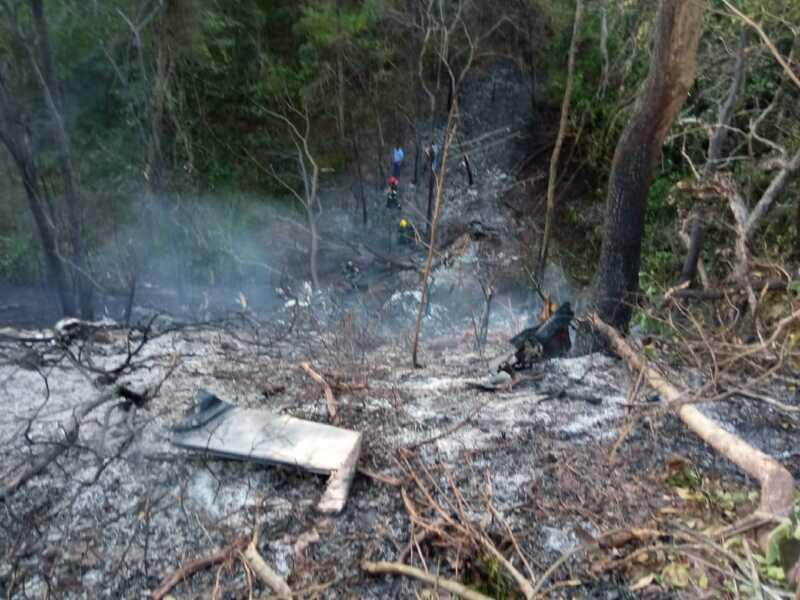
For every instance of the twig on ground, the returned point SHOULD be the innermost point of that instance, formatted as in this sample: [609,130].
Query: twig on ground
[191,567]
[766,399]
[387,479]
[264,572]
[330,399]
[449,431]
[377,568]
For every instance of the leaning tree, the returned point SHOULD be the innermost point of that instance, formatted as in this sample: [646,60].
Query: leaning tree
[672,66]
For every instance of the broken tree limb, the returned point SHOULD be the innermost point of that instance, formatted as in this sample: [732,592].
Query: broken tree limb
[682,291]
[330,399]
[462,591]
[191,567]
[264,572]
[769,43]
[777,484]
[70,437]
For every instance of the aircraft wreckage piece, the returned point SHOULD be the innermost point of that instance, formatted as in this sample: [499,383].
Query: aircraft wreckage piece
[222,429]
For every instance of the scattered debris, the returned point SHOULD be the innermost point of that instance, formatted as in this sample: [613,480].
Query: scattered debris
[216,427]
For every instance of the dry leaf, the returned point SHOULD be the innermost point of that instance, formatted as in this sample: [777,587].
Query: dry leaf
[643,582]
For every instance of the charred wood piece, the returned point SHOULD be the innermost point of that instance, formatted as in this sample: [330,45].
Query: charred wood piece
[545,340]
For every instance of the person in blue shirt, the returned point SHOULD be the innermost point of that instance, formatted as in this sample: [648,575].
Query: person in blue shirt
[397,158]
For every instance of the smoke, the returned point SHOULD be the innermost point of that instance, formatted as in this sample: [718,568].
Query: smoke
[197,257]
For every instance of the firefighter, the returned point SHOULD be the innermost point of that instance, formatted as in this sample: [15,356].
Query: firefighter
[392,197]
[407,236]
[352,274]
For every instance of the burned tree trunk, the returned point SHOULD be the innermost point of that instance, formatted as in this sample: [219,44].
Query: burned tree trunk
[56,276]
[17,141]
[672,67]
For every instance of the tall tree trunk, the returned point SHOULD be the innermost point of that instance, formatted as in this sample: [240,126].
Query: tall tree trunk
[17,141]
[55,106]
[56,275]
[155,111]
[677,32]
[429,211]
[379,141]
[362,199]
[562,129]
[340,117]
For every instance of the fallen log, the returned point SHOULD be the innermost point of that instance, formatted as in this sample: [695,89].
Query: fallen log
[777,483]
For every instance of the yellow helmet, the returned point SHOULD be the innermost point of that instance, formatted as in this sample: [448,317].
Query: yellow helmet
[403,223]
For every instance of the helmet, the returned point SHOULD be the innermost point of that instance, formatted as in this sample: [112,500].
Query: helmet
[393,180]
[403,223]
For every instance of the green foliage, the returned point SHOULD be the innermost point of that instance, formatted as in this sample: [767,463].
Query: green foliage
[597,112]
[660,261]
[19,259]
[493,580]
[783,547]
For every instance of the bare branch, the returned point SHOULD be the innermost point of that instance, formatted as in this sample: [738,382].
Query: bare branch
[769,43]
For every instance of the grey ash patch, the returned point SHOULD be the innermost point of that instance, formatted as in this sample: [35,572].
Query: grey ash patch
[145,507]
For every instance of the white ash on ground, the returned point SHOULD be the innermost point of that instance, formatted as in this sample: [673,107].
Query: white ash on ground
[122,508]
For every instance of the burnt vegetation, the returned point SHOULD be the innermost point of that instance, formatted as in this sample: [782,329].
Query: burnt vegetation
[537,261]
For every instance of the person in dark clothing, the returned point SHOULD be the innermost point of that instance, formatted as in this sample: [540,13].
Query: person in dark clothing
[432,152]
[392,196]
[352,274]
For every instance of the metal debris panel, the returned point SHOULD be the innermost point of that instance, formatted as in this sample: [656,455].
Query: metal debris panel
[254,434]
[221,429]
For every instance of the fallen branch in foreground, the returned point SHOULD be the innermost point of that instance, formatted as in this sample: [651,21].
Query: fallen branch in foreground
[191,567]
[264,572]
[777,484]
[330,399]
[376,568]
